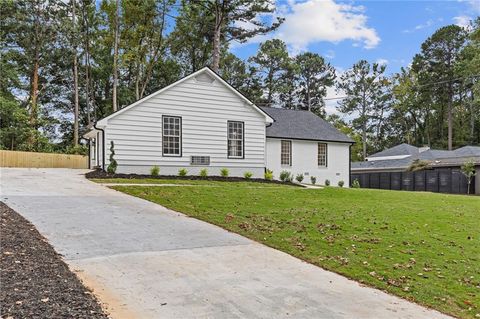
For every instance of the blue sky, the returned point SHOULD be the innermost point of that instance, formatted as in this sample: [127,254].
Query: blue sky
[347,31]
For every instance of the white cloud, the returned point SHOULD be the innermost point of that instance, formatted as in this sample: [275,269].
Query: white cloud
[382,61]
[314,21]
[427,24]
[462,21]
[324,20]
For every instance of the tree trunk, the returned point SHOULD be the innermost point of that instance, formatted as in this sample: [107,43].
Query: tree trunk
[75,80]
[115,57]
[309,107]
[87,65]
[216,37]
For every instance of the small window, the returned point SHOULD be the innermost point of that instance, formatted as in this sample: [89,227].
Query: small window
[322,154]
[286,153]
[235,139]
[172,136]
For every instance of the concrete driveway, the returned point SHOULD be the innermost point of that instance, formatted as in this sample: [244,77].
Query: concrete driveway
[145,261]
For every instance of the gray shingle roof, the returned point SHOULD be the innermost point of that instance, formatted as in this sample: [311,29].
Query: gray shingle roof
[435,157]
[302,125]
[401,149]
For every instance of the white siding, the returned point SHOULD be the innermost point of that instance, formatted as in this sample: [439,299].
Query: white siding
[304,161]
[205,109]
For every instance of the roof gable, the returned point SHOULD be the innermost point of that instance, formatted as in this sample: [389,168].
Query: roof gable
[205,75]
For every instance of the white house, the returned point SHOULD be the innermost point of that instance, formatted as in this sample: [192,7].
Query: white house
[201,122]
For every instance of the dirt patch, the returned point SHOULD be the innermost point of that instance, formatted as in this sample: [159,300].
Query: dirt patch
[35,282]
[102,174]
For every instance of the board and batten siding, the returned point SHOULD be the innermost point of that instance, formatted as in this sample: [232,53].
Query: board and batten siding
[205,108]
[305,160]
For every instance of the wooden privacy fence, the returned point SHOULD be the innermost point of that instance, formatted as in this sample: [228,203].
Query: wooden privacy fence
[42,160]
[439,180]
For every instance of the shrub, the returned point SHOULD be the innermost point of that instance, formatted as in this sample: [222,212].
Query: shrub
[299,178]
[182,172]
[340,183]
[356,183]
[268,175]
[224,172]
[327,182]
[313,179]
[112,167]
[155,170]
[285,176]
[203,172]
[248,175]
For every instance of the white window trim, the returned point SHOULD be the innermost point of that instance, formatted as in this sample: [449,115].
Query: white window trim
[179,136]
[290,153]
[326,155]
[242,139]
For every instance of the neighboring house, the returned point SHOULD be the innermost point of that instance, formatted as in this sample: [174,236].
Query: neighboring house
[201,121]
[442,169]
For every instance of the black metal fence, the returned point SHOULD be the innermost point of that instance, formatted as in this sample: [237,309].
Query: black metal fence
[439,180]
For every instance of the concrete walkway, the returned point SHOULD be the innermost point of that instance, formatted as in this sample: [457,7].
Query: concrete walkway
[145,261]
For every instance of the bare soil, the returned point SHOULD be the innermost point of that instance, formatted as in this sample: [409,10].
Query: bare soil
[35,281]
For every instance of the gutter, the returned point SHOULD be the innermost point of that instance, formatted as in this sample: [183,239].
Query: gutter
[103,144]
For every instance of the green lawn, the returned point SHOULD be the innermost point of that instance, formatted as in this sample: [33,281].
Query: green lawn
[421,246]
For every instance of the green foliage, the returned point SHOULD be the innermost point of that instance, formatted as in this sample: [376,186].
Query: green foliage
[468,169]
[268,175]
[313,180]
[203,172]
[155,170]
[248,175]
[299,178]
[341,183]
[327,182]
[112,167]
[182,172]
[418,165]
[417,245]
[356,183]
[285,176]
[224,172]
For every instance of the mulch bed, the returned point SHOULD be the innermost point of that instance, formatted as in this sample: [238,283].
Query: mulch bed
[100,174]
[35,282]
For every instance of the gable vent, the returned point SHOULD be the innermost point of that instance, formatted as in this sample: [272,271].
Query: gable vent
[205,78]
[199,160]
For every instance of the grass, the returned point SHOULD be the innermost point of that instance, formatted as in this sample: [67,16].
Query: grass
[421,246]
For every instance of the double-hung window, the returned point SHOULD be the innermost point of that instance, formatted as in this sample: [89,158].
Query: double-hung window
[172,135]
[322,154]
[235,139]
[286,153]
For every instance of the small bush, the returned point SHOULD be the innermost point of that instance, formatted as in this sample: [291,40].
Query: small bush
[248,175]
[268,175]
[224,172]
[182,172]
[299,178]
[327,182]
[356,183]
[285,176]
[313,179]
[203,172]
[155,170]
[340,183]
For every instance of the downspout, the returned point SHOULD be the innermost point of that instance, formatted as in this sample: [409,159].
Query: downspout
[350,165]
[89,154]
[103,144]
